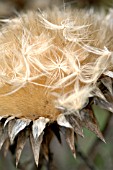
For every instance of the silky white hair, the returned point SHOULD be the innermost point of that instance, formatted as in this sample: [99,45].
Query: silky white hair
[67,50]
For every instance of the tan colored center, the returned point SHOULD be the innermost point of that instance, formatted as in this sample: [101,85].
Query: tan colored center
[31,101]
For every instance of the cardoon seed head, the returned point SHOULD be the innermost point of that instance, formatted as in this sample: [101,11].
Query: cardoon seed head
[53,66]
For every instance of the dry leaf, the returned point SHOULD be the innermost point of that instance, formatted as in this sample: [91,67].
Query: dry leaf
[22,138]
[61,120]
[3,134]
[89,121]
[15,126]
[69,136]
[75,124]
[38,126]
[36,143]
[108,83]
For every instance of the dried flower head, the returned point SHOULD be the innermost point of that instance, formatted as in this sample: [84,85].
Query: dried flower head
[53,66]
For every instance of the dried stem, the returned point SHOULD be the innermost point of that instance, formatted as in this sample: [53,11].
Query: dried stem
[86,159]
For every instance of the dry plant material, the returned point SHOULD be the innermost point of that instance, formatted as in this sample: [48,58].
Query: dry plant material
[53,66]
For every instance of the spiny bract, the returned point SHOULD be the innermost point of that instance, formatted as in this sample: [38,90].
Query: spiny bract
[53,66]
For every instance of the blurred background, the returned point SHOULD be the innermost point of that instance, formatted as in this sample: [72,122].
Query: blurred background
[92,154]
[7,7]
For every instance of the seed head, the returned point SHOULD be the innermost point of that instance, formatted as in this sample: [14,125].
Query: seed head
[51,65]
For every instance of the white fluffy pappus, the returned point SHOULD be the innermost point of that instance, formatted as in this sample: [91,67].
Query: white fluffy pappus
[61,53]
